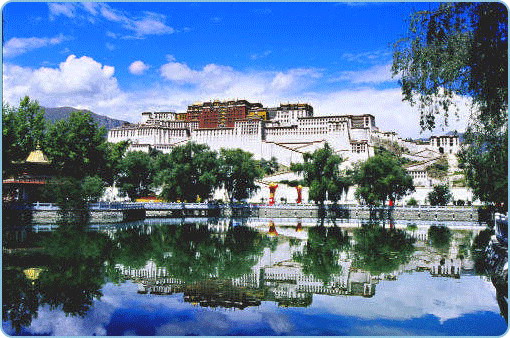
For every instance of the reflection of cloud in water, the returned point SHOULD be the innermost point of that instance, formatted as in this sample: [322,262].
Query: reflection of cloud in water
[379,330]
[416,295]
[279,323]
[204,324]
[55,322]
[58,324]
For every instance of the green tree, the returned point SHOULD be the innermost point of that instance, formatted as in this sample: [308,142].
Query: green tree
[187,172]
[485,164]
[237,173]
[136,172]
[440,195]
[381,178]
[23,128]
[462,49]
[269,167]
[321,173]
[412,202]
[92,188]
[76,146]
[69,195]
[115,152]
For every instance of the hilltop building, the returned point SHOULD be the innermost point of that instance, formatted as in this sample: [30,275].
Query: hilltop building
[286,132]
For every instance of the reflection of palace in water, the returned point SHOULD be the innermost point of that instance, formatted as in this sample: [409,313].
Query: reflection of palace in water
[279,278]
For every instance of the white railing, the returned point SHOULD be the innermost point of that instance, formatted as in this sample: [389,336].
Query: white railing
[92,206]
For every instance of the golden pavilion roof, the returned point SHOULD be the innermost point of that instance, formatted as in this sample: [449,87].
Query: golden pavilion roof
[37,156]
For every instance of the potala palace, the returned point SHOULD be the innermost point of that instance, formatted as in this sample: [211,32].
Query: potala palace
[287,132]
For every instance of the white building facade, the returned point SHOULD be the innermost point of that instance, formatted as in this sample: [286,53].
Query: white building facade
[286,135]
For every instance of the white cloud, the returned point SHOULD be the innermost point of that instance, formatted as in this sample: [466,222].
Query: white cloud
[294,79]
[386,105]
[79,82]
[217,78]
[368,57]
[261,55]
[17,46]
[112,35]
[138,68]
[376,74]
[85,83]
[65,9]
[110,46]
[148,23]
[170,58]
[176,71]
[91,7]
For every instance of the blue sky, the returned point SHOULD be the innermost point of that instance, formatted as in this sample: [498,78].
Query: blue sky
[119,59]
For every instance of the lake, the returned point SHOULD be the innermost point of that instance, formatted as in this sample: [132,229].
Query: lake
[199,276]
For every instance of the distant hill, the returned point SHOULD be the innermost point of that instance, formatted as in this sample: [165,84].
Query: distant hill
[60,113]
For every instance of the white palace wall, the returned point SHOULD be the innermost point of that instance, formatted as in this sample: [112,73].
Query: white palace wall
[286,143]
[351,136]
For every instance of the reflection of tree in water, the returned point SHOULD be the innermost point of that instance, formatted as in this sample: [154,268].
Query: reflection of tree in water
[321,254]
[71,276]
[480,243]
[20,299]
[440,237]
[380,250]
[191,252]
[76,271]
[133,247]
[490,258]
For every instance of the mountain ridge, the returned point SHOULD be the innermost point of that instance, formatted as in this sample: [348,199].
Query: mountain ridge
[62,113]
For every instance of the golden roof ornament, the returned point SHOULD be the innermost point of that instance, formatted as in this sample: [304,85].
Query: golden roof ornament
[37,156]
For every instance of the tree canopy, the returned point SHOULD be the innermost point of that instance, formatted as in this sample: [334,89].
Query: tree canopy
[462,49]
[136,171]
[381,178]
[438,169]
[440,195]
[76,146]
[269,167]
[237,173]
[321,173]
[189,172]
[23,128]
[458,48]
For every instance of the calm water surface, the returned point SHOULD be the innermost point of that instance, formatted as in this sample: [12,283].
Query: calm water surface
[249,277]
